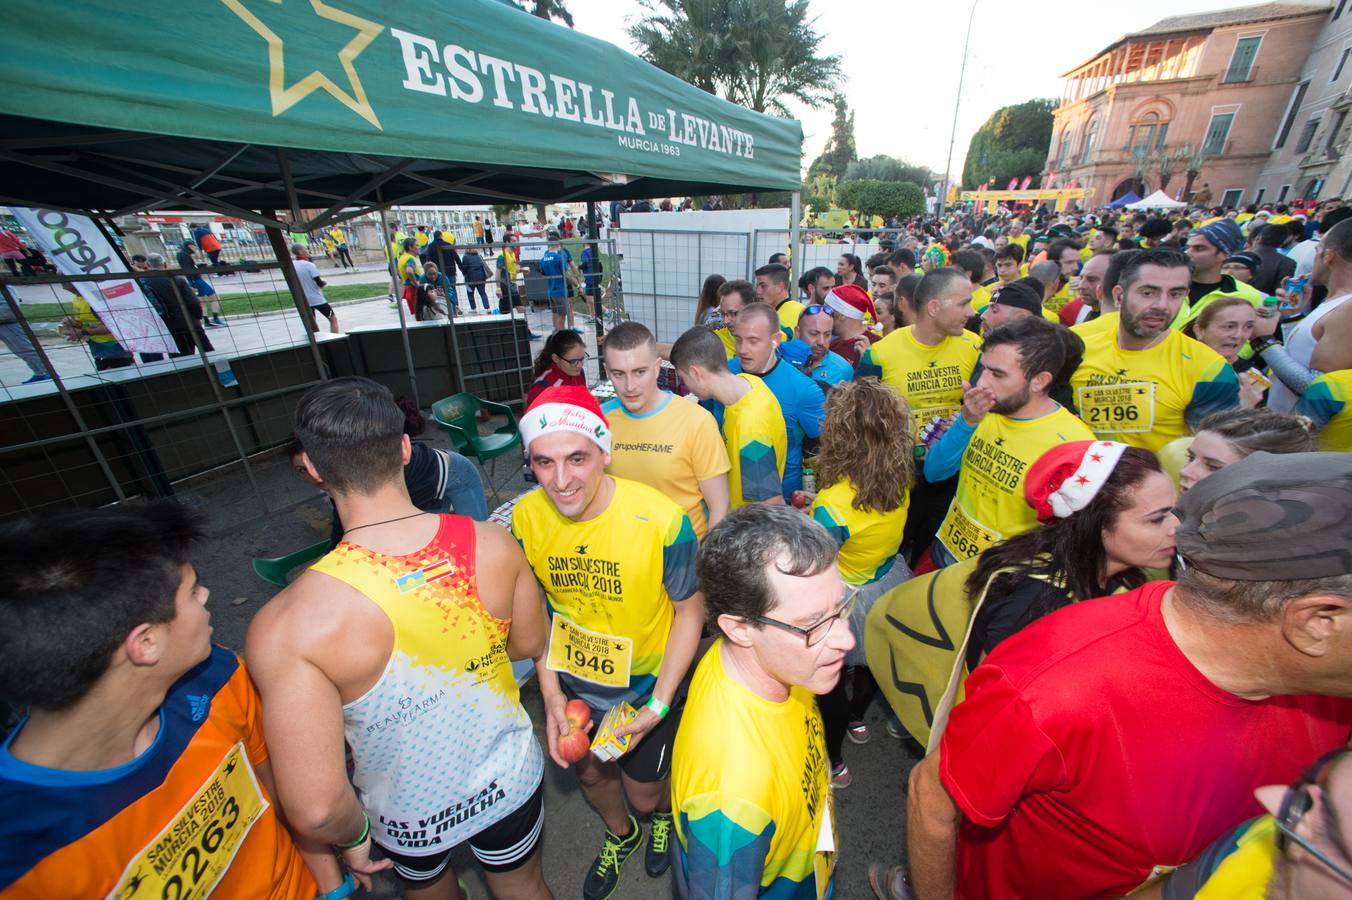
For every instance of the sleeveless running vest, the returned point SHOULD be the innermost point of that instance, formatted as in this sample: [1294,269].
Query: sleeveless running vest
[442,746]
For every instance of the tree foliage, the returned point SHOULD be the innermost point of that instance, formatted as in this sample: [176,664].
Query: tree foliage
[757,53]
[839,151]
[819,191]
[551,9]
[881,198]
[888,168]
[1012,143]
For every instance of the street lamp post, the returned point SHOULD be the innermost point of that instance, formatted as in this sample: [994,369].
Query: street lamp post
[953,135]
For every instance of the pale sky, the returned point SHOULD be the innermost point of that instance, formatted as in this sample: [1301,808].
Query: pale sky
[883,42]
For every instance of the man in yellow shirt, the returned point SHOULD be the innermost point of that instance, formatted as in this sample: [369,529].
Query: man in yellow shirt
[1143,383]
[1018,236]
[1007,421]
[662,440]
[772,288]
[928,362]
[754,431]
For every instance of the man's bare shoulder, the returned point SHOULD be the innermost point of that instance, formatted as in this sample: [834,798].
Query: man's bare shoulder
[314,609]
[496,545]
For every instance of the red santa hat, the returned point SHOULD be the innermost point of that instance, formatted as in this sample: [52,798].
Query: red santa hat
[1068,476]
[566,408]
[850,301]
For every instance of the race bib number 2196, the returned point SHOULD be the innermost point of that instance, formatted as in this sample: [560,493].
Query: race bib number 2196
[188,858]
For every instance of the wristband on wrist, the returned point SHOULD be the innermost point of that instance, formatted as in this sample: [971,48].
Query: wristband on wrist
[346,889]
[1260,344]
[657,706]
[361,838]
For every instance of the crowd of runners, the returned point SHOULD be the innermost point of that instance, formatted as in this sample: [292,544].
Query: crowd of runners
[1090,470]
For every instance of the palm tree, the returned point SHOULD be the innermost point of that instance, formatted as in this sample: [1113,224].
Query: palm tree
[552,9]
[757,53]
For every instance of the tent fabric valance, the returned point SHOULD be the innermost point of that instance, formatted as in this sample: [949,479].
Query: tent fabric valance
[314,104]
[1157,200]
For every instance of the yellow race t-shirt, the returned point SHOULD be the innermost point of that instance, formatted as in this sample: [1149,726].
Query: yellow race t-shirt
[610,583]
[868,538]
[1101,322]
[725,335]
[1325,402]
[789,313]
[1022,241]
[757,445]
[989,505]
[673,448]
[750,790]
[1054,303]
[1147,398]
[422,237]
[928,378]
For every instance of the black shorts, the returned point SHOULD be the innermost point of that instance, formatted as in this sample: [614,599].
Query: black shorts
[650,761]
[503,847]
[323,309]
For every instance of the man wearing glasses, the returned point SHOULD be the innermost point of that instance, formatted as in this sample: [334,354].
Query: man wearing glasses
[1120,737]
[750,782]
[1299,851]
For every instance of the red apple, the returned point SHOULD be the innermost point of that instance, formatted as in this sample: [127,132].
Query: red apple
[578,714]
[573,745]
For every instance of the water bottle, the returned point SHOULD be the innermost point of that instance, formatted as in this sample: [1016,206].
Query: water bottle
[809,481]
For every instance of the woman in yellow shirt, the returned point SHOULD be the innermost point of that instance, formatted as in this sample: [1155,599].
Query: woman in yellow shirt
[865,469]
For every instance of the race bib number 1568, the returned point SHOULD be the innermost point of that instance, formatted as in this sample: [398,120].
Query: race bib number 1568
[188,858]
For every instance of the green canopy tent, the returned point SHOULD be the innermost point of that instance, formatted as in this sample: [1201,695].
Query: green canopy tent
[347,107]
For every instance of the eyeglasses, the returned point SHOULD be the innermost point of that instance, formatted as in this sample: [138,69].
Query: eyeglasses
[817,309]
[1296,803]
[575,362]
[814,634]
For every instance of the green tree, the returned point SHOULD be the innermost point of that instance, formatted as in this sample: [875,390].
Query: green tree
[888,168]
[839,151]
[758,53]
[819,191]
[552,9]
[872,197]
[1012,143]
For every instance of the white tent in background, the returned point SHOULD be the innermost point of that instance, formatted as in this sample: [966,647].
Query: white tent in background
[1157,200]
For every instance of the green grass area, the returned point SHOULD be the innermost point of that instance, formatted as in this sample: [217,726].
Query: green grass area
[240,303]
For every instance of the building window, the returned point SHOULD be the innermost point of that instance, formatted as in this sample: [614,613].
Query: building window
[1330,148]
[1241,61]
[1217,133]
[1281,195]
[1307,136]
[1339,11]
[1342,62]
[1232,197]
[1297,98]
[1063,150]
[1090,139]
[1258,198]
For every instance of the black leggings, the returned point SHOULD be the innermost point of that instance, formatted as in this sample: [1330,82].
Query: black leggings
[845,704]
[345,257]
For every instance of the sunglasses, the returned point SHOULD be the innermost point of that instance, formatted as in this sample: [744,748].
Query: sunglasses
[1296,803]
[814,634]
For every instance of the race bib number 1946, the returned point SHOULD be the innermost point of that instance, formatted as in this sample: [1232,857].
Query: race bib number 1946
[589,655]
[188,858]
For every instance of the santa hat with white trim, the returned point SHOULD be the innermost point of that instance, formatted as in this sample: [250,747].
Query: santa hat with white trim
[566,408]
[1068,476]
[850,301]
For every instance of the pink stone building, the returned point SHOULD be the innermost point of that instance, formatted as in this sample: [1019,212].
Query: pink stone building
[1191,101]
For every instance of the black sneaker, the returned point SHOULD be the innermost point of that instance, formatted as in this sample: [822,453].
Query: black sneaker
[604,876]
[657,858]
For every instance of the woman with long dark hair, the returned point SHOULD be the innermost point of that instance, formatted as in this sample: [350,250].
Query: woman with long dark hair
[707,312]
[865,468]
[560,362]
[1107,514]
[849,270]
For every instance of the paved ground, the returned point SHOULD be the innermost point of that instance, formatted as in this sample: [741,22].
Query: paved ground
[870,812]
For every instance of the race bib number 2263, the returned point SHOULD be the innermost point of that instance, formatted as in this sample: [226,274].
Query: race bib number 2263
[188,858]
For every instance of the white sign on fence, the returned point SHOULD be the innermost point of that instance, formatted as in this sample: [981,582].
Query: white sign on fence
[78,247]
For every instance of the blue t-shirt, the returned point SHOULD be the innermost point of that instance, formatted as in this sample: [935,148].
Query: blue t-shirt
[552,265]
[803,405]
[833,369]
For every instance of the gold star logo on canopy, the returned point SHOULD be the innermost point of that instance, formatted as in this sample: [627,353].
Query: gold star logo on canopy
[283,97]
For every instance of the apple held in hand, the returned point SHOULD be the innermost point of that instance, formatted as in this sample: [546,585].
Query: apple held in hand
[575,744]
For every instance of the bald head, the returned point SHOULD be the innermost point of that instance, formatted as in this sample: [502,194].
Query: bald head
[1091,280]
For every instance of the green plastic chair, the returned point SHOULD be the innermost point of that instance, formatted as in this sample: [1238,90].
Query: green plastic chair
[275,570]
[457,417]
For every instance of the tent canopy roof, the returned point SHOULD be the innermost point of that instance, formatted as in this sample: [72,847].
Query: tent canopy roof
[244,105]
[1157,200]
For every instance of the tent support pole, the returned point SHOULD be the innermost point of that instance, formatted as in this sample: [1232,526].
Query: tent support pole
[403,322]
[283,255]
[69,403]
[795,217]
[594,234]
